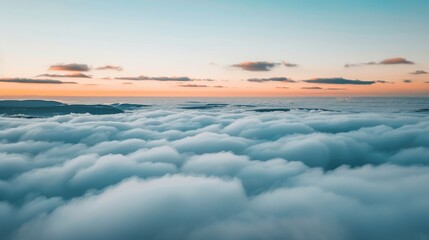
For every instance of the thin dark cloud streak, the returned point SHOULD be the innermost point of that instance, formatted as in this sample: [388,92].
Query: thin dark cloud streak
[77,75]
[162,79]
[193,85]
[110,67]
[312,88]
[291,65]
[338,81]
[261,66]
[36,81]
[419,72]
[388,61]
[273,79]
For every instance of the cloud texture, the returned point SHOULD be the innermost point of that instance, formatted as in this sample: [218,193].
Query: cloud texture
[224,174]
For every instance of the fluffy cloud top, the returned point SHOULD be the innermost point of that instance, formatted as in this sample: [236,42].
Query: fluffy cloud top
[224,174]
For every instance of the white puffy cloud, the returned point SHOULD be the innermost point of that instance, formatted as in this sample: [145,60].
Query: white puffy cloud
[224,174]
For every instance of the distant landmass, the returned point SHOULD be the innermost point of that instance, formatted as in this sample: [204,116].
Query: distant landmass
[41,108]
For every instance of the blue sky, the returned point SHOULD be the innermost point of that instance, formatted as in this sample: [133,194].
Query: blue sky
[202,38]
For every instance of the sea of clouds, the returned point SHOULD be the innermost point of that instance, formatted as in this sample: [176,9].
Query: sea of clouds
[191,174]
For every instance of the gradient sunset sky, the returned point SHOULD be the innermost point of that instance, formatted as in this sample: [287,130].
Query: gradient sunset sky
[214,48]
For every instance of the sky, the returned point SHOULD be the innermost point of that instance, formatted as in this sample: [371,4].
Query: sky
[214,48]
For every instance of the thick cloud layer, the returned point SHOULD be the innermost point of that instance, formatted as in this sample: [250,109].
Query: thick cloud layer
[215,174]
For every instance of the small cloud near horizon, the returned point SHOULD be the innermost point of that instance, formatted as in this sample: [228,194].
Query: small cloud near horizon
[338,81]
[273,79]
[110,67]
[335,89]
[72,67]
[75,75]
[288,64]
[383,81]
[193,85]
[417,72]
[407,81]
[388,61]
[261,66]
[311,88]
[165,79]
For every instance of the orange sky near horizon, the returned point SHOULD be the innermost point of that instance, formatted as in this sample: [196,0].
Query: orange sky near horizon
[230,89]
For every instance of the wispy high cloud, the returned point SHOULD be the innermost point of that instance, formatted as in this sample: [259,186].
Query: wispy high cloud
[165,79]
[37,81]
[72,67]
[419,72]
[110,67]
[273,79]
[256,66]
[338,81]
[389,61]
[74,75]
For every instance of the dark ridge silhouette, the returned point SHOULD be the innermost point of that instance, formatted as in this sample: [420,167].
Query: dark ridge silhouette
[289,109]
[40,108]
[129,106]
[244,105]
[30,103]
[205,106]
